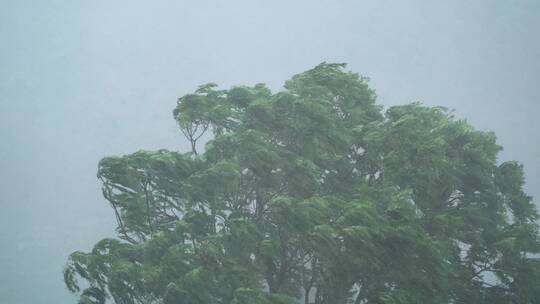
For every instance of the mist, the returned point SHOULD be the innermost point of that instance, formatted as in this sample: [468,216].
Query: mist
[81,80]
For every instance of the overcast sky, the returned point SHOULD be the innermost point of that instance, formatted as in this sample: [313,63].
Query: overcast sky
[80,80]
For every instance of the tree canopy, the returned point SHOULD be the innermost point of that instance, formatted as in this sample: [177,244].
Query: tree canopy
[314,194]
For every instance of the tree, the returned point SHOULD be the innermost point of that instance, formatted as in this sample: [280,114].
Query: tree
[313,193]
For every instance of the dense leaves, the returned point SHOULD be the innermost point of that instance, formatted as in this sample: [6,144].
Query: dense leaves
[313,194]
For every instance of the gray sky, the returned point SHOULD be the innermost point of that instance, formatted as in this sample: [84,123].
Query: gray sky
[80,80]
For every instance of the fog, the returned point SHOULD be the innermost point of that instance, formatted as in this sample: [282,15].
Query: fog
[80,80]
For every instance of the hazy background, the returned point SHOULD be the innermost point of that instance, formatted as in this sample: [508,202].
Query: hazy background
[80,80]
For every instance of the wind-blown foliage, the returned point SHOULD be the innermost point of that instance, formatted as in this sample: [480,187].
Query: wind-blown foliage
[313,193]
